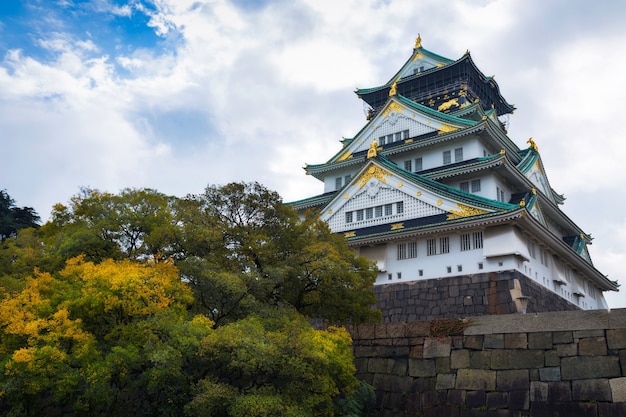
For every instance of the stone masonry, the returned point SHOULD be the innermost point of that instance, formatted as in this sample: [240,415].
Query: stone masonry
[464,296]
[570,363]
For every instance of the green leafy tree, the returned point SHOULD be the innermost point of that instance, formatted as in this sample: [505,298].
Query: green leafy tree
[13,218]
[268,255]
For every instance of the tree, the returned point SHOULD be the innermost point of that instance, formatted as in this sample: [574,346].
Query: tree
[257,251]
[13,219]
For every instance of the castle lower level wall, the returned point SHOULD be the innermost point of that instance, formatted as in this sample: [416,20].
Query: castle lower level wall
[465,296]
[570,363]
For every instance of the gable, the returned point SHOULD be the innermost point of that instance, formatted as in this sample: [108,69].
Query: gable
[378,196]
[536,175]
[418,63]
[397,121]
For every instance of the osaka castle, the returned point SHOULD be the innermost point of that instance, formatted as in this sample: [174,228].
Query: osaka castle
[459,220]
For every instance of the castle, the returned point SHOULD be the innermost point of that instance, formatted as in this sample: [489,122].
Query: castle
[459,220]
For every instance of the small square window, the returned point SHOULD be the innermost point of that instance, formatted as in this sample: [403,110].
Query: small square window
[464,186]
[337,183]
[475,186]
[405,134]
[459,268]
[420,272]
[359,215]
[458,154]
[447,158]
[378,211]
[389,277]
[349,217]
[408,165]
[399,275]
[381,140]
[400,207]
[388,209]
[369,213]
[480,265]
[449,269]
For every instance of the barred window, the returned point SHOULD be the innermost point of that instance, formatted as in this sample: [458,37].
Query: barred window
[349,217]
[444,245]
[400,207]
[388,209]
[408,165]
[475,186]
[464,186]
[405,134]
[418,164]
[447,158]
[412,246]
[478,240]
[378,211]
[359,215]
[337,183]
[401,247]
[466,242]
[369,213]
[431,247]
[458,154]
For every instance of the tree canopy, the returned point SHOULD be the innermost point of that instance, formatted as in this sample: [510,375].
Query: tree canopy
[13,218]
[144,304]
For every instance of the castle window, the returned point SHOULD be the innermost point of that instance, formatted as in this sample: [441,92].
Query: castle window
[349,217]
[500,194]
[420,272]
[337,183]
[449,269]
[458,154]
[444,245]
[359,215]
[464,186]
[381,140]
[398,136]
[466,242]
[390,138]
[378,211]
[347,179]
[388,209]
[412,246]
[408,165]
[447,158]
[369,213]
[400,207]
[401,248]
[399,275]
[478,240]
[405,134]
[480,265]
[418,164]
[389,277]
[459,268]
[431,247]
[475,186]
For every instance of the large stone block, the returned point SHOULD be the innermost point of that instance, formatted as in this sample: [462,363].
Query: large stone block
[480,359]
[422,367]
[618,389]
[474,399]
[591,390]
[538,391]
[509,380]
[617,319]
[476,379]
[517,359]
[494,341]
[565,409]
[616,338]
[550,374]
[460,359]
[445,381]
[592,346]
[541,340]
[590,367]
[380,365]
[559,391]
[562,337]
[611,409]
[516,341]
[519,400]
[497,400]
[569,349]
[417,328]
[437,347]
[473,342]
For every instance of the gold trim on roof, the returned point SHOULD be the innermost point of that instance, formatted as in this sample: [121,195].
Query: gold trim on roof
[464,211]
[373,172]
[393,106]
[350,234]
[444,128]
[448,104]
[532,144]
[393,90]
[418,41]
[346,155]
[371,152]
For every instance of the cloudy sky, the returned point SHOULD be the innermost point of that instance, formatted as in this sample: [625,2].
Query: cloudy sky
[178,94]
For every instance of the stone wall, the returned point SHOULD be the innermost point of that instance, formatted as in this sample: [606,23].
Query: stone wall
[570,363]
[465,296]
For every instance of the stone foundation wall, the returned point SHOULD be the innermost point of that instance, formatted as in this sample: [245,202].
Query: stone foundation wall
[465,296]
[570,363]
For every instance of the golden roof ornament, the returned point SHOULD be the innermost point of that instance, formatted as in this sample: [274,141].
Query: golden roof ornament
[418,41]
[394,89]
[371,153]
[532,144]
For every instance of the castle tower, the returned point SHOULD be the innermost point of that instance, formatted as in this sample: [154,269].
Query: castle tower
[459,220]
